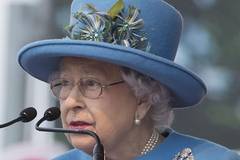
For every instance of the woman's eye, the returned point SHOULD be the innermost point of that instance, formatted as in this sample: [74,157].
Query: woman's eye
[89,83]
[60,83]
[57,84]
[65,83]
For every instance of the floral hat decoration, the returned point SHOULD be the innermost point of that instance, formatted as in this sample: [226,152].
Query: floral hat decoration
[138,34]
[116,26]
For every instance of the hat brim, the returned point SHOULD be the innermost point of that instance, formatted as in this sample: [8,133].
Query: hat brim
[41,58]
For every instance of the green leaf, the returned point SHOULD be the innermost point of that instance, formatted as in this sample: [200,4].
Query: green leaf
[91,7]
[68,30]
[116,8]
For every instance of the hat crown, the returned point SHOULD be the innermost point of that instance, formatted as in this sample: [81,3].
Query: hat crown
[162,22]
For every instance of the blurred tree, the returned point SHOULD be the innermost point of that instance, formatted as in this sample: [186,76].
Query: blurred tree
[211,39]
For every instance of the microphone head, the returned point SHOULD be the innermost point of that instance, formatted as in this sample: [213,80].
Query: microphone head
[28,114]
[52,114]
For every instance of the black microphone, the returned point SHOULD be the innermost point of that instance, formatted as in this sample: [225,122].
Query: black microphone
[52,114]
[26,115]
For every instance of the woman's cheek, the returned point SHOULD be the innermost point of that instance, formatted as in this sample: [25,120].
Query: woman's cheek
[64,119]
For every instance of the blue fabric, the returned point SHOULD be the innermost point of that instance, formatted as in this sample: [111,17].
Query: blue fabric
[171,146]
[163,26]
[167,27]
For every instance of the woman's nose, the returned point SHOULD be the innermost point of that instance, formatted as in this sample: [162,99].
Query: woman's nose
[74,99]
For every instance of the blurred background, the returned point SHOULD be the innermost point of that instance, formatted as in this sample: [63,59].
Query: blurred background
[210,46]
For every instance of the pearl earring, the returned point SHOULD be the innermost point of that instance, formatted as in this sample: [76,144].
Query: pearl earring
[137,122]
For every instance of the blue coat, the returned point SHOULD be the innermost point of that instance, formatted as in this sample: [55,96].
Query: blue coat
[173,145]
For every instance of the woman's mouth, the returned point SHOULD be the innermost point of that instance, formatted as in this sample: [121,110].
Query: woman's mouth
[77,125]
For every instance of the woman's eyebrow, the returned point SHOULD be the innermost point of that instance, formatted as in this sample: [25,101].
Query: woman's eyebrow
[91,69]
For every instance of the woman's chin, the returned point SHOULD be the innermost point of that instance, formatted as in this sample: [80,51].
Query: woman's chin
[83,142]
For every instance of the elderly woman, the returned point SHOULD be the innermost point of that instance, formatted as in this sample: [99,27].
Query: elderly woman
[114,75]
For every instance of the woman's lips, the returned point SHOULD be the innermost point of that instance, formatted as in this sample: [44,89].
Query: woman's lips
[79,125]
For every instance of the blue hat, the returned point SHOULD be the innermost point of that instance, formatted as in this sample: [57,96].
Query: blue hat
[138,34]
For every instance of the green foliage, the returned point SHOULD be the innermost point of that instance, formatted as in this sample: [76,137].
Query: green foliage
[223,115]
[222,22]
[116,8]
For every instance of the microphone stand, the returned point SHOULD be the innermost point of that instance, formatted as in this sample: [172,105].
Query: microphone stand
[98,150]
[27,115]
[11,122]
[61,130]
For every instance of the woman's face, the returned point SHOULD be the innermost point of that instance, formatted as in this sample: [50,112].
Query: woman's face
[111,115]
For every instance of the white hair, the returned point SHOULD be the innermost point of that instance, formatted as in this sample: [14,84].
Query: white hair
[158,97]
